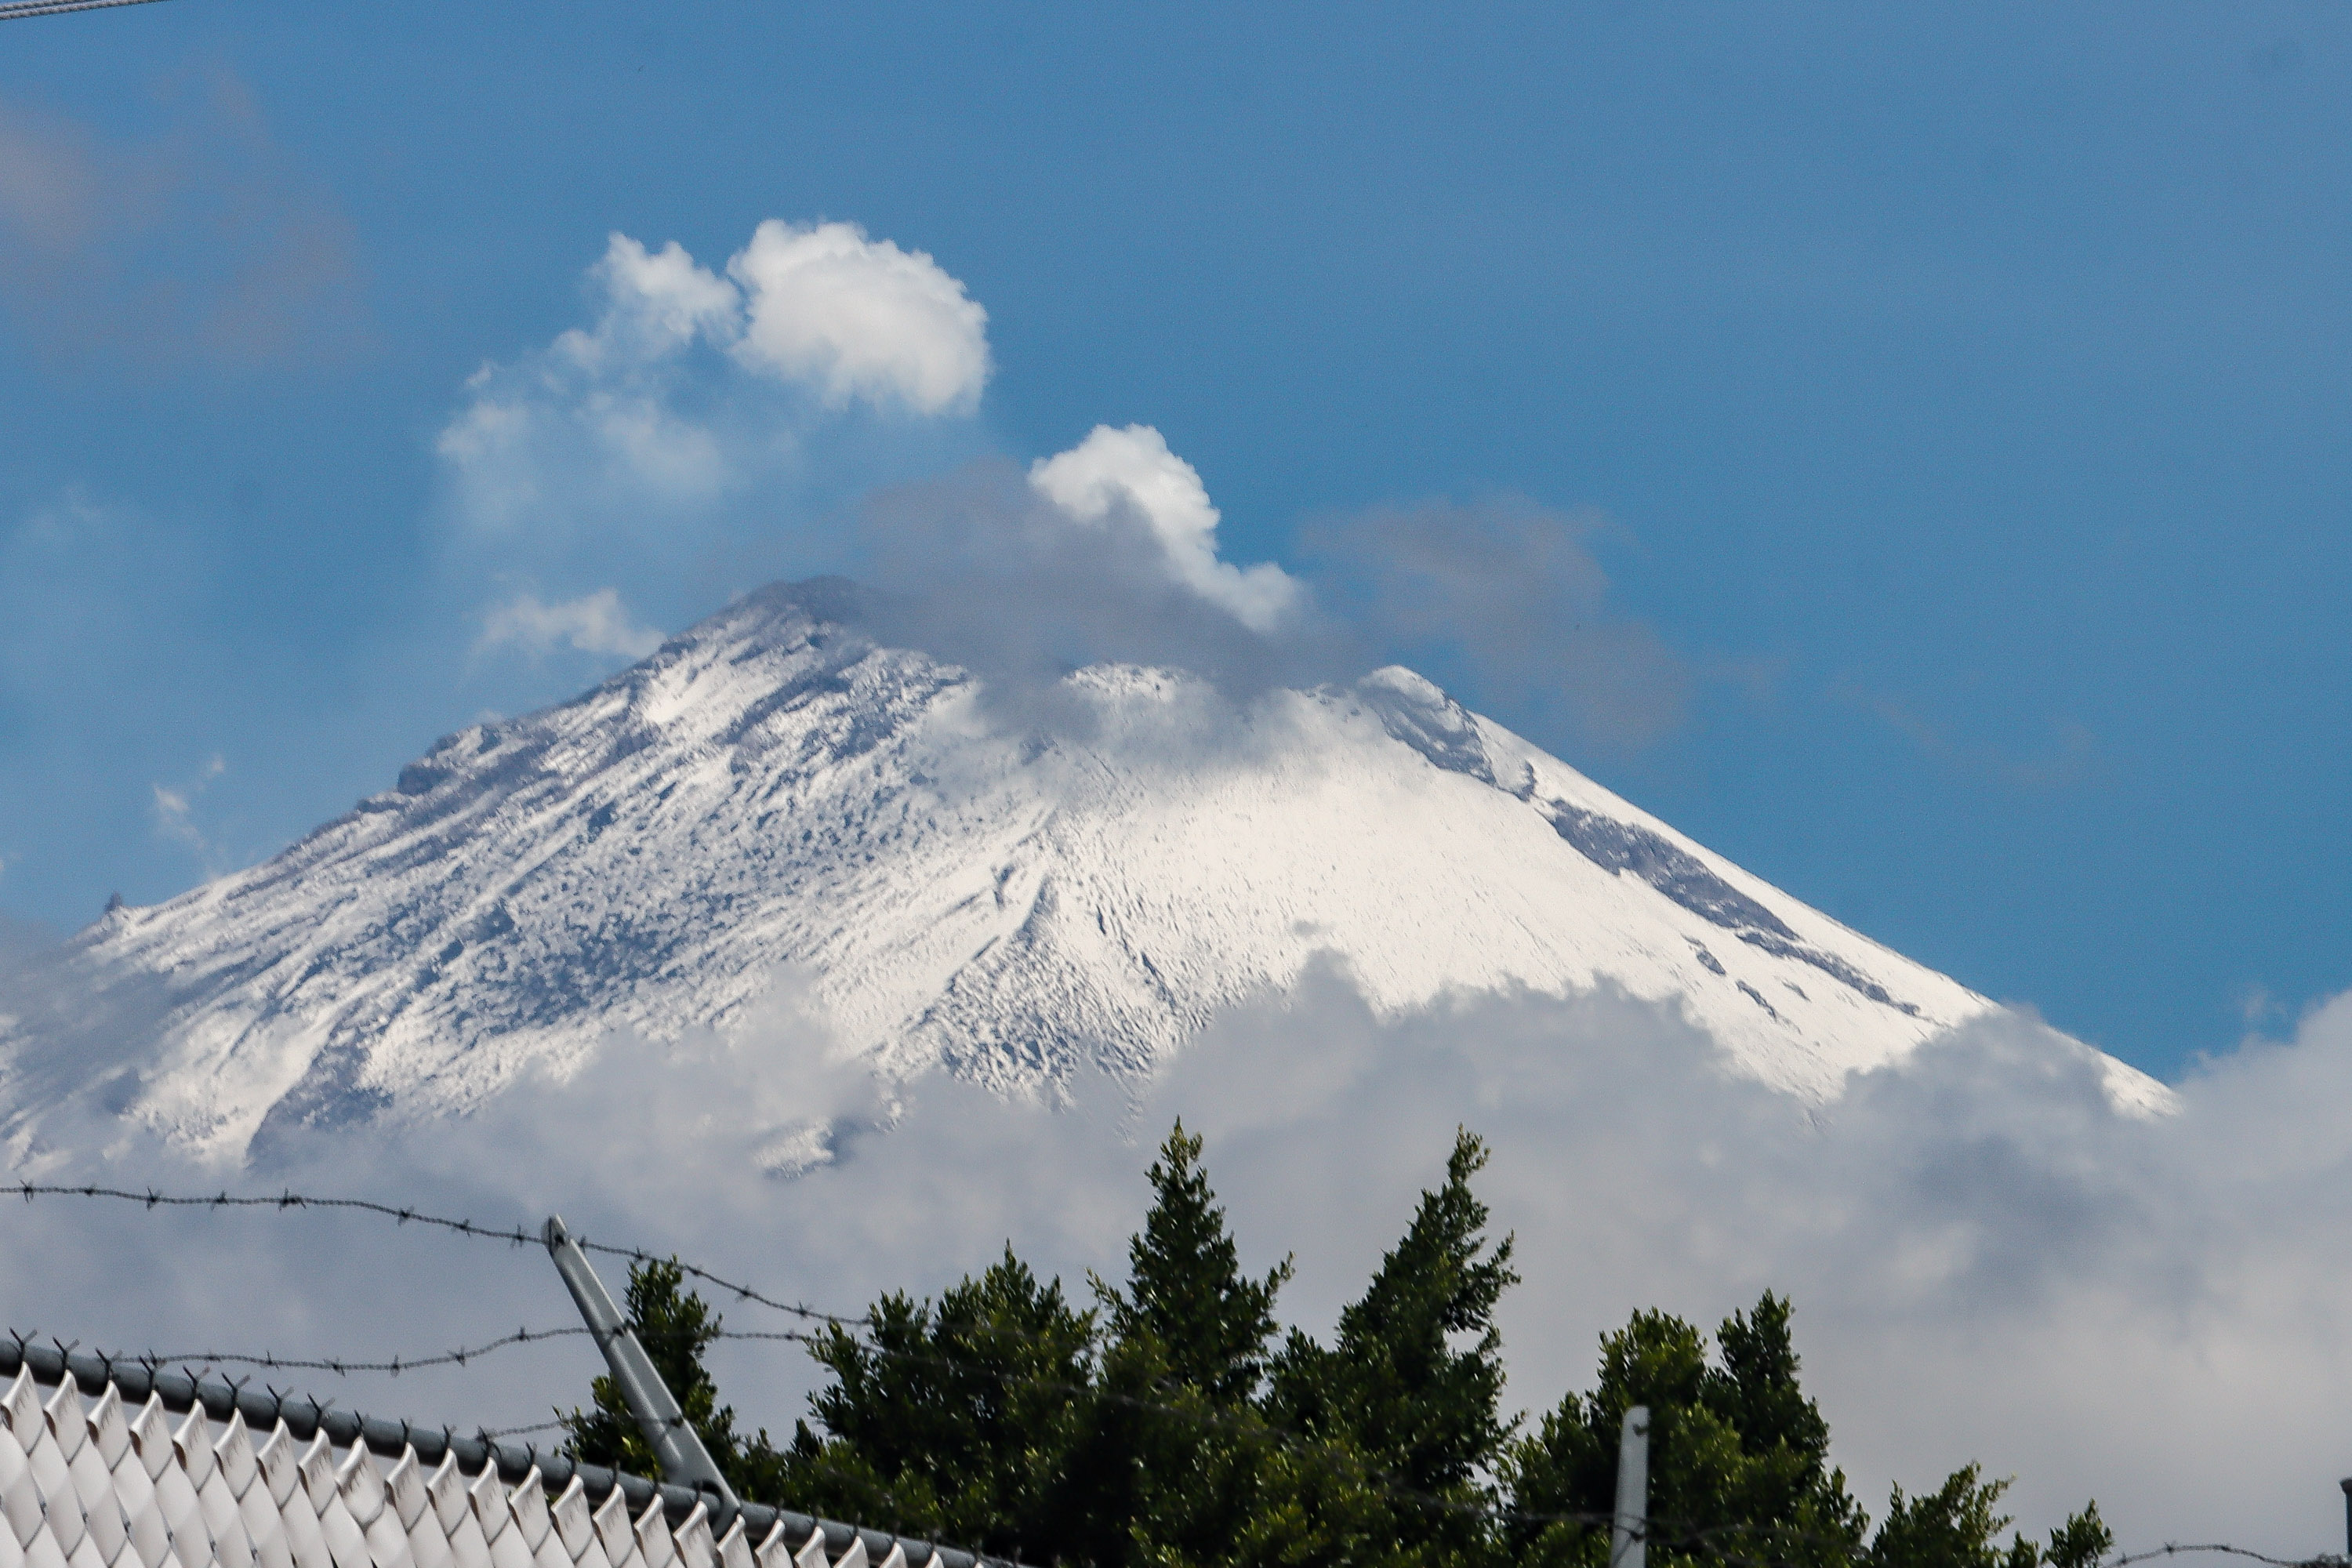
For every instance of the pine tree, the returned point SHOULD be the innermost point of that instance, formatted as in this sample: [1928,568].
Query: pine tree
[1398,1386]
[1185,1289]
[956,1419]
[1738,1454]
[1173,1455]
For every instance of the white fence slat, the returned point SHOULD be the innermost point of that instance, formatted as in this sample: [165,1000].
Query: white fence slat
[695,1547]
[20,1495]
[92,1483]
[346,1542]
[575,1527]
[428,1543]
[735,1547]
[654,1542]
[454,1513]
[613,1532]
[495,1515]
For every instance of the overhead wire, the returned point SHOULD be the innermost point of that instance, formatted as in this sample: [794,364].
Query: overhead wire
[16,8]
[2172,1549]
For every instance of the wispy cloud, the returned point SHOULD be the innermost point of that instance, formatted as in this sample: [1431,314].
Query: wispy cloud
[202,245]
[677,393]
[2069,755]
[175,810]
[594,623]
[1508,597]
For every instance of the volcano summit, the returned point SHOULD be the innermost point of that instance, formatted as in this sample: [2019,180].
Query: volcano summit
[773,792]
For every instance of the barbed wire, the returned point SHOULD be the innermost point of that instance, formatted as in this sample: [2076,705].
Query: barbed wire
[287,1201]
[2174,1548]
[344,1367]
[491,1433]
[515,1236]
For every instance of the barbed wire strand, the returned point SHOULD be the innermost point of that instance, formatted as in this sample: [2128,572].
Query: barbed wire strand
[287,1201]
[515,1236]
[2173,1548]
[343,1366]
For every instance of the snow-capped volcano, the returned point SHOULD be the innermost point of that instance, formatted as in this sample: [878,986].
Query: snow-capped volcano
[771,792]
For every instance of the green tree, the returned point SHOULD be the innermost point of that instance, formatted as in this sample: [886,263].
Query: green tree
[1170,1455]
[1954,1526]
[1738,1456]
[956,1419]
[1411,1385]
[2080,1541]
[1185,1289]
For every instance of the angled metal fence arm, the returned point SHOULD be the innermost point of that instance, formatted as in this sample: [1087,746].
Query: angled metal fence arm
[659,1417]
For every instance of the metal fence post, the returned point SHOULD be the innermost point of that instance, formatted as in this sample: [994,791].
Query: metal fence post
[680,1447]
[1629,1535]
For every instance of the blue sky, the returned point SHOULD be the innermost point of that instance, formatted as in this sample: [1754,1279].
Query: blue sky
[1956,398]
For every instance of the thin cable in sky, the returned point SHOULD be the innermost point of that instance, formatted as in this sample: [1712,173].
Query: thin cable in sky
[14,8]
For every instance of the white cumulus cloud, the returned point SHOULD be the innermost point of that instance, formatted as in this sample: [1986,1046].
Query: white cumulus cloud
[654,303]
[692,385]
[860,318]
[695,433]
[1133,468]
[593,623]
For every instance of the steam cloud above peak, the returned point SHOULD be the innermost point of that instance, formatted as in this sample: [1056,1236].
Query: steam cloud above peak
[809,407]
[1133,468]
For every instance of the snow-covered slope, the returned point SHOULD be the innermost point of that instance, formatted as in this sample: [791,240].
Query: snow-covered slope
[1008,899]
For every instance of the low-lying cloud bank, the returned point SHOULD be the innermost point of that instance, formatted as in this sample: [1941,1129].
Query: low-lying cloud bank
[1988,1260]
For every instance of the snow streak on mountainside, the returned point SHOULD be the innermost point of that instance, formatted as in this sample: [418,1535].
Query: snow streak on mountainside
[771,790]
